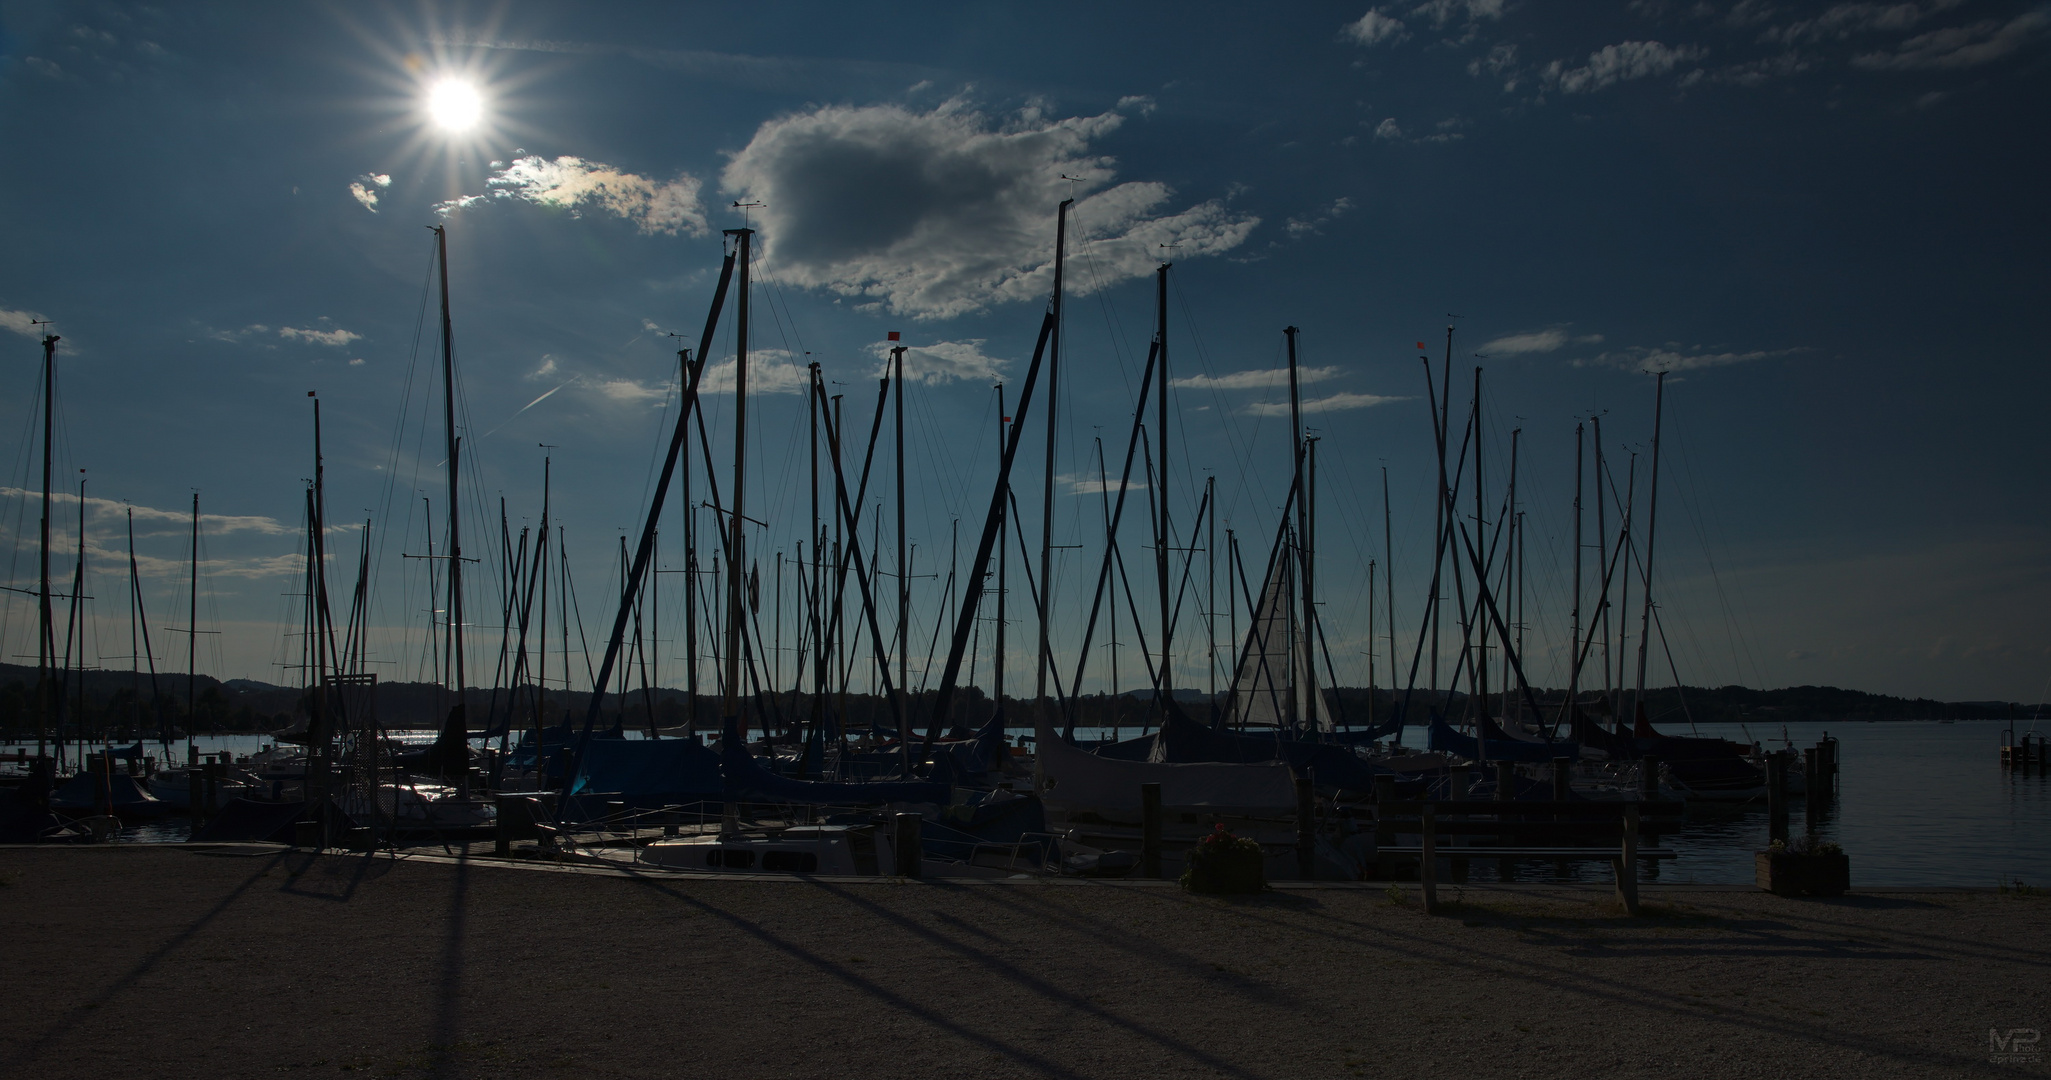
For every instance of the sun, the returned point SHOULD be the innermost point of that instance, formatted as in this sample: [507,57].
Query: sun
[455,105]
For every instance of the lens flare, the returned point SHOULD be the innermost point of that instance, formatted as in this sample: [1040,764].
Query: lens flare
[454,105]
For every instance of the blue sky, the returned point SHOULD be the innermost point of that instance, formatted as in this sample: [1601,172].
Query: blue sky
[1826,221]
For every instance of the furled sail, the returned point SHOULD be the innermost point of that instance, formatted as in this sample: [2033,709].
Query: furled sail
[1267,684]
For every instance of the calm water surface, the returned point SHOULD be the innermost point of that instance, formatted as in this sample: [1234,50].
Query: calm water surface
[1919,803]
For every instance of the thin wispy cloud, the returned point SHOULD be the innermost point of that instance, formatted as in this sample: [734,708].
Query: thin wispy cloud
[1090,485]
[1961,46]
[334,338]
[1259,379]
[1622,62]
[948,211]
[1675,358]
[1313,224]
[1535,341]
[1339,402]
[21,322]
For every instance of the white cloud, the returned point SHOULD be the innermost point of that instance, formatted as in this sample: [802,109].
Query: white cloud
[1139,103]
[337,337]
[213,524]
[21,322]
[1675,358]
[1255,380]
[572,183]
[1374,28]
[1313,224]
[1622,62]
[367,187]
[1535,341]
[631,391]
[941,213]
[1841,21]
[1338,402]
[770,371]
[1388,129]
[942,361]
[358,362]
[1090,485]
[1441,12]
[1960,46]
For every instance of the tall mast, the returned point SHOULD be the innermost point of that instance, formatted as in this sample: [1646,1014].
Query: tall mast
[690,568]
[1211,586]
[1047,499]
[1601,545]
[1296,452]
[735,589]
[441,244]
[1389,577]
[1003,558]
[1311,699]
[1574,668]
[192,640]
[1161,440]
[1478,664]
[818,580]
[1624,585]
[904,578]
[541,549]
[1651,524]
[1512,580]
[47,641]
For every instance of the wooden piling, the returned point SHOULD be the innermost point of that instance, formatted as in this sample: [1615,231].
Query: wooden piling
[907,846]
[1648,778]
[196,792]
[1627,862]
[1812,781]
[1150,831]
[501,833]
[1777,796]
[1428,861]
[1384,826]
[1562,779]
[1306,829]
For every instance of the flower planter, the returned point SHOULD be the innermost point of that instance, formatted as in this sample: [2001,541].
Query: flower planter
[1786,873]
[1223,865]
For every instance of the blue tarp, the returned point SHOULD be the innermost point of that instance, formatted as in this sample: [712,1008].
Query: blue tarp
[1503,748]
[649,773]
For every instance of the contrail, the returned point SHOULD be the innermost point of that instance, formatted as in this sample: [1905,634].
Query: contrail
[526,407]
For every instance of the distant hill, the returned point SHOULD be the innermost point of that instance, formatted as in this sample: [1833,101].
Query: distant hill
[255,706]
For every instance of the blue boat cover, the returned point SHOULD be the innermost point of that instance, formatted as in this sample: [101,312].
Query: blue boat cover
[748,781]
[650,772]
[1501,748]
[84,794]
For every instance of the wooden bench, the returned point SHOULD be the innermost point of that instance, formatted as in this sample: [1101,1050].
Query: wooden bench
[1551,819]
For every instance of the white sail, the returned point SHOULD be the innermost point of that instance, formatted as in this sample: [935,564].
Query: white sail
[1267,688]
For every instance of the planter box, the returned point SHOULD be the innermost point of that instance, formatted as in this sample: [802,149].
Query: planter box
[1789,874]
[1232,871]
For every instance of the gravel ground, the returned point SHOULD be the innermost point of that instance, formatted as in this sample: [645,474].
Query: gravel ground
[168,963]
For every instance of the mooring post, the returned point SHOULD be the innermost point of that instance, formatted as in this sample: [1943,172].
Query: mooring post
[501,835]
[1150,830]
[1648,778]
[1777,796]
[196,791]
[1506,791]
[1812,782]
[1428,860]
[1384,823]
[910,853]
[1506,781]
[1562,779]
[1306,829]
[1627,862]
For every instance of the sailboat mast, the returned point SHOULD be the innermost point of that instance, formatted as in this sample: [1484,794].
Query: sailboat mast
[192,640]
[1161,440]
[1651,525]
[1574,670]
[46,645]
[904,578]
[441,243]
[735,587]
[1047,499]
[1003,560]
[1389,577]
[1296,452]
[818,580]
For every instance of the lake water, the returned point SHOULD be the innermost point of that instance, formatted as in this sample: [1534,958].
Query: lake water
[1919,803]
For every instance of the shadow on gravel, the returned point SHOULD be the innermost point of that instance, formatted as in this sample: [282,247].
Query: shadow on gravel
[90,1008]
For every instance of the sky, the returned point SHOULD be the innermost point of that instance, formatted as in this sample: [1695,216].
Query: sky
[1824,222]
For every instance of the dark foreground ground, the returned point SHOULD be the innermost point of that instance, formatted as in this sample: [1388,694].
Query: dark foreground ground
[167,963]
